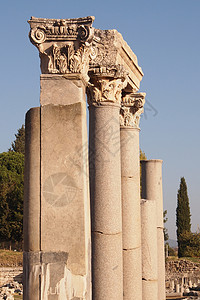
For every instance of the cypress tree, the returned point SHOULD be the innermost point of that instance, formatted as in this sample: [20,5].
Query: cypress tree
[183,216]
[142,157]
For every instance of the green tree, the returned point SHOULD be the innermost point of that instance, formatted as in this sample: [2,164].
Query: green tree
[11,195]
[165,219]
[19,143]
[142,157]
[183,216]
[190,244]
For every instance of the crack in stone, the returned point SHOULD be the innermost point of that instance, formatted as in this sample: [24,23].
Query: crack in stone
[130,249]
[144,279]
[149,279]
[100,232]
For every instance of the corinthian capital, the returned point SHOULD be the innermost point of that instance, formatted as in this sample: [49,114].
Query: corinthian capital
[106,84]
[63,44]
[131,109]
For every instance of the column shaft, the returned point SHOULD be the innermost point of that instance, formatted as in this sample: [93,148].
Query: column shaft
[32,181]
[105,187]
[152,189]
[131,219]
[149,250]
[31,225]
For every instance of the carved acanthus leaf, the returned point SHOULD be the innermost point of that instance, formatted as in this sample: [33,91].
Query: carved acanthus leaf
[131,109]
[63,44]
[105,90]
[65,59]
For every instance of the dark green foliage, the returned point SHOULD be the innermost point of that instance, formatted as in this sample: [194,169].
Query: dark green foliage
[165,219]
[183,216]
[172,251]
[11,195]
[142,157]
[19,144]
[190,243]
[169,250]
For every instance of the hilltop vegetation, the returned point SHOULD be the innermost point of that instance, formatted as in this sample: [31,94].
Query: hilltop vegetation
[12,190]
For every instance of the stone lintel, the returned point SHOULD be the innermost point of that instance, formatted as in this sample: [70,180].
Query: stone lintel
[109,49]
[73,46]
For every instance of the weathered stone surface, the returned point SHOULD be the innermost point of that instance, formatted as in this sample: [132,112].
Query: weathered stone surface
[71,46]
[48,275]
[152,185]
[131,109]
[152,189]
[149,250]
[132,276]
[109,50]
[63,44]
[149,240]
[149,290]
[131,216]
[161,264]
[105,172]
[107,266]
[105,185]
[64,198]
[105,89]
[48,30]
[58,90]
[60,269]
[130,171]
[31,225]
[31,275]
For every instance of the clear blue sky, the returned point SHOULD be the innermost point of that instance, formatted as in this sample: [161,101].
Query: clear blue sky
[165,37]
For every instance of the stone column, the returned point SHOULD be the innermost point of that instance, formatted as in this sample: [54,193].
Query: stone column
[177,288]
[57,227]
[172,285]
[149,250]
[32,238]
[132,107]
[104,97]
[152,189]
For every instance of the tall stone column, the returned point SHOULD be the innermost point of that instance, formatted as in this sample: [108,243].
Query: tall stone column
[57,207]
[149,250]
[104,97]
[132,107]
[32,204]
[152,189]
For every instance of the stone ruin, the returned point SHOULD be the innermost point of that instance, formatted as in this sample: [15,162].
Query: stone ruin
[87,233]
